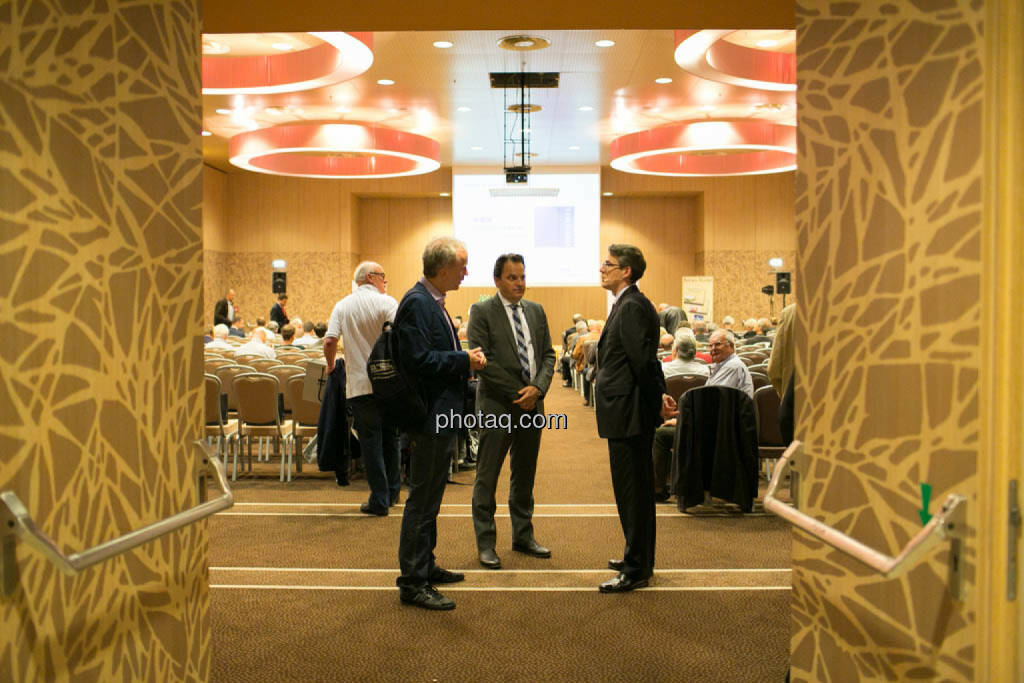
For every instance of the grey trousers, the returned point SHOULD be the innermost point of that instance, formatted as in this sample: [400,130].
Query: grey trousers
[522,445]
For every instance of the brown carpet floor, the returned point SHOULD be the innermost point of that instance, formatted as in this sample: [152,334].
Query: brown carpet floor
[303,585]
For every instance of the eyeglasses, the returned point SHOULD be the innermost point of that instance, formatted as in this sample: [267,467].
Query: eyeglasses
[608,265]
[382,276]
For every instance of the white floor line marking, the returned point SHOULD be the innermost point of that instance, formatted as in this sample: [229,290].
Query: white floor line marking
[498,589]
[498,572]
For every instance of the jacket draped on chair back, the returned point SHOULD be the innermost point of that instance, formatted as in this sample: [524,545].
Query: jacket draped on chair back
[716,447]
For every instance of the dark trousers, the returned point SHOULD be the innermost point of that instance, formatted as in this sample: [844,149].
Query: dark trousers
[378,446]
[633,483]
[494,445]
[430,456]
[661,454]
[332,426]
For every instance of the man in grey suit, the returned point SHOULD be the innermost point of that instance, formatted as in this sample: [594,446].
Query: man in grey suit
[514,336]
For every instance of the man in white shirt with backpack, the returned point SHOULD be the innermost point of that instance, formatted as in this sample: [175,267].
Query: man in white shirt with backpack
[358,320]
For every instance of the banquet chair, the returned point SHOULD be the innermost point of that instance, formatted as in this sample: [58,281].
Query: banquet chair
[258,416]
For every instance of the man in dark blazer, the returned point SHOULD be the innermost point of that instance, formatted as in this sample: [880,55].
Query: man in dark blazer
[514,336]
[224,312]
[631,401]
[429,351]
[277,312]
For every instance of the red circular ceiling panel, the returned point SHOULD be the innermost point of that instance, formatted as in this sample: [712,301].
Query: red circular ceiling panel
[334,150]
[705,54]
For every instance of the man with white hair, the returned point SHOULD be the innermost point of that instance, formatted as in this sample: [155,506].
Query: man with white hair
[728,322]
[726,367]
[684,350]
[257,346]
[220,338]
[358,320]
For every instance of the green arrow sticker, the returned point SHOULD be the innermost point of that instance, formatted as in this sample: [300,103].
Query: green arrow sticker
[926,496]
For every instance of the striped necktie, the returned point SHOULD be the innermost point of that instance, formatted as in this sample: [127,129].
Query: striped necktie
[524,355]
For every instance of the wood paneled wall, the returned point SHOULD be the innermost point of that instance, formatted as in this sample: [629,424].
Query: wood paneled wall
[726,227]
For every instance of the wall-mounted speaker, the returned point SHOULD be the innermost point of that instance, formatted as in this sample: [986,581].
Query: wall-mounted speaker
[279,282]
[783,283]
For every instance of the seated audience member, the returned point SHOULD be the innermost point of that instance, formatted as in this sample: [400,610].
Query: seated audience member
[683,351]
[207,336]
[700,331]
[220,338]
[320,330]
[726,367]
[288,337]
[665,346]
[567,348]
[576,320]
[748,328]
[237,329]
[272,337]
[671,317]
[257,346]
[308,337]
[760,332]
[728,322]
[594,333]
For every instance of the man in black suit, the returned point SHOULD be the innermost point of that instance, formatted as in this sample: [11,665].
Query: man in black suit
[429,351]
[224,311]
[277,312]
[631,401]
[514,335]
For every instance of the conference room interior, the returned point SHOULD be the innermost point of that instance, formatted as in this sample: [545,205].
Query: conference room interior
[292,581]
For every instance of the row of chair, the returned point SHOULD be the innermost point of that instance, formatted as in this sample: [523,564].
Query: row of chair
[241,403]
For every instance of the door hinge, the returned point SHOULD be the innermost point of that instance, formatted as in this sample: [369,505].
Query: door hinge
[1013,538]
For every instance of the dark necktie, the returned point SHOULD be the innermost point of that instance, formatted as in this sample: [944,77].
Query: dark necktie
[524,354]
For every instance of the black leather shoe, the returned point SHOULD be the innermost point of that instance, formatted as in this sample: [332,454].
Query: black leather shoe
[622,584]
[531,548]
[617,565]
[425,597]
[440,575]
[367,510]
[490,559]
[341,481]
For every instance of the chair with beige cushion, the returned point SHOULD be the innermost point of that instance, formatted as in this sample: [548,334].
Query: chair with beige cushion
[222,432]
[290,357]
[258,415]
[263,364]
[305,415]
[226,374]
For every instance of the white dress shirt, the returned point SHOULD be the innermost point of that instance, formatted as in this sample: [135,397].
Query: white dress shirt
[357,320]
[255,348]
[507,305]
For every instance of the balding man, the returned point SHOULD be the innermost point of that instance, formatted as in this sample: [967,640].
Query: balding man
[224,311]
[726,367]
[358,320]
[257,346]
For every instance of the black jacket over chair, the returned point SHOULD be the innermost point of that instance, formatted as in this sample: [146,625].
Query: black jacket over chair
[716,447]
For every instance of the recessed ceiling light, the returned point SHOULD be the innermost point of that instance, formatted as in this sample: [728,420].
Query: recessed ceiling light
[207,133]
[607,194]
[385,81]
[222,110]
[586,107]
[443,44]
[477,148]
[463,109]
[446,194]
[604,43]
[283,47]
[767,43]
[574,147]
[663,80]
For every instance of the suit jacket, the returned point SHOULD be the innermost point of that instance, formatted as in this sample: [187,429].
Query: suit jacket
[629,377]
[716,447]
[220,313]
[427,352]
[277,314]
[502,378]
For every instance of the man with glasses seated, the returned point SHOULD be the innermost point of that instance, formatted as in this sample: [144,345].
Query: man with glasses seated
[726,367]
